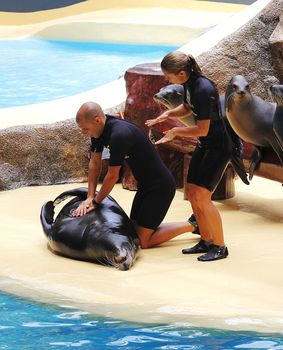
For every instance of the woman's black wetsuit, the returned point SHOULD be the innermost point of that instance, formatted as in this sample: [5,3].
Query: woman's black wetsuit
[156,185]
[213,151]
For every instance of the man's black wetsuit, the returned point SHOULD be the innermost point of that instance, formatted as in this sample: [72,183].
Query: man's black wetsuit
[156,185]
[213,151]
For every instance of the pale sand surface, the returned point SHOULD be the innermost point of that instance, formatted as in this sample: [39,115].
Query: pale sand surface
[89,8]
[128,21]
[243,291]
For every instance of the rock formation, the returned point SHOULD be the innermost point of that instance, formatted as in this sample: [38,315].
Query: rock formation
[42,155]
[247,52]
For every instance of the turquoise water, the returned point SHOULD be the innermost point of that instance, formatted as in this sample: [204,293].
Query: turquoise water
[29,325]
[35,70]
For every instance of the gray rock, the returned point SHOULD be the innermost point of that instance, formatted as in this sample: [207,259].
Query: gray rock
[42,155]
[276,45]
[246,52]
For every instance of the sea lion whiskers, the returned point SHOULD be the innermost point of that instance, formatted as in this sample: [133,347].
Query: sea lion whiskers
[117,262]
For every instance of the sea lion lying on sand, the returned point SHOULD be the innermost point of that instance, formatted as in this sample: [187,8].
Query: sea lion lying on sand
[105,234]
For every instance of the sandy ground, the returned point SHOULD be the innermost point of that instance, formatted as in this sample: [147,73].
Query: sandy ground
[243,291]
[129,21]
[90,8]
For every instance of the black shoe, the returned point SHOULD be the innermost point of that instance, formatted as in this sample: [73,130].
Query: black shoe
[192,221]
[215,253]
[201,247]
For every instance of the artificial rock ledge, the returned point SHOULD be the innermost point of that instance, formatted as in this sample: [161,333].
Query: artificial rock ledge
[42,155]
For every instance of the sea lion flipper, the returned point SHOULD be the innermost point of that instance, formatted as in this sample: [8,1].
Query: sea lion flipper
[78,192]
[47,217]
[254,162]
[239,167]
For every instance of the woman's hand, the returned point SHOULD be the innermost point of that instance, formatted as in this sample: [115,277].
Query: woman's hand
[169,136]
[160,119]
[85,207]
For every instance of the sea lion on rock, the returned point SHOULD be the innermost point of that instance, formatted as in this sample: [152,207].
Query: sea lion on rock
[252,119]
[277,95]
[172,95]
[105,234]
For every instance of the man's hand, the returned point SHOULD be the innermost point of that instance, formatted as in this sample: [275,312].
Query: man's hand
[85,207]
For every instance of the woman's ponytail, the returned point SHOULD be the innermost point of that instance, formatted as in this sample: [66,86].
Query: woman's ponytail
[192,65]
[176,61]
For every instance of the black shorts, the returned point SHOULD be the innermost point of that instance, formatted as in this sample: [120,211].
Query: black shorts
[152,202]
[208,165]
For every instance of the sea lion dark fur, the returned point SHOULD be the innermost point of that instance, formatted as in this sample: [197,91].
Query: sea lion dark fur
[252,119]
[172,95]
[277,95]
[105,234]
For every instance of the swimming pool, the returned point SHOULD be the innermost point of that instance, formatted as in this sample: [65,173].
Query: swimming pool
[35,70]
[25,324]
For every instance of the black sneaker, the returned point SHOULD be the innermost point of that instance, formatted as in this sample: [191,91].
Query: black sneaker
[201,247]
[192,220]
[215,252]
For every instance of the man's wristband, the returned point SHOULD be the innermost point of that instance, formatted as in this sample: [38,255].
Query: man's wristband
[95,202]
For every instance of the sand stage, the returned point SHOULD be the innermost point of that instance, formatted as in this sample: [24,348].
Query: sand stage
[241,292]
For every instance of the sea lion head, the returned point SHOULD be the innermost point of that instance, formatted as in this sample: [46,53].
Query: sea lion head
[276,92]
[170,96]
[125,256]
[237,92]
[114,249]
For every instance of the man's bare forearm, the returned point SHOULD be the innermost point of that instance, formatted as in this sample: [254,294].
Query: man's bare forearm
[108,183]
[94,170]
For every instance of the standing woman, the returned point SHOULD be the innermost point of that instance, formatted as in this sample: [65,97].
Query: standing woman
[211,155]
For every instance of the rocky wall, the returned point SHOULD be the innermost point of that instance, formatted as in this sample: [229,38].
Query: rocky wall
[42,155]
[247,52]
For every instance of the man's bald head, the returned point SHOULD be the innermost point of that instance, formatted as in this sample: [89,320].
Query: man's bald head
[91,119]
[88,111]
